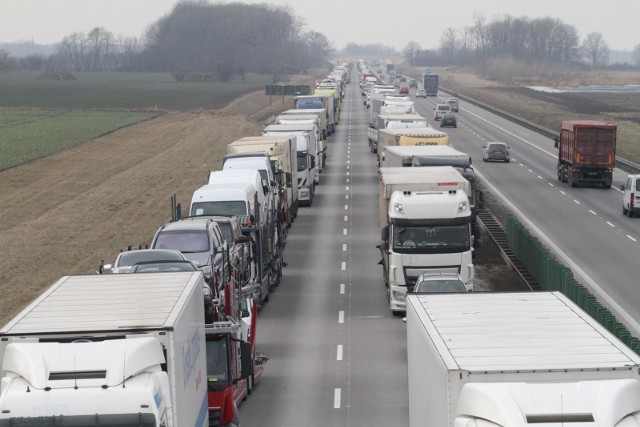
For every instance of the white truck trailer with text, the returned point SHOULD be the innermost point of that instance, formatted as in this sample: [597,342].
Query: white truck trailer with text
[114,349]
[426,227]
[515,360]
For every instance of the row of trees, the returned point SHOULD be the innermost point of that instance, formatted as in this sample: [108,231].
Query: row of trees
[196,36]
[523,39]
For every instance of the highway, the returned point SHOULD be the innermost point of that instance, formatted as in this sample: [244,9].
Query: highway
[337,355]
[584,225]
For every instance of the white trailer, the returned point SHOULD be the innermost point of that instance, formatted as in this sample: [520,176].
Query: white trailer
[426,226]
[404,155]
[320,113]
[516,360]
[393,121]
[116,349]
[299,127]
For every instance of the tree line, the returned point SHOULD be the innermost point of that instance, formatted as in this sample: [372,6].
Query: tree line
[541,40]
[195,37]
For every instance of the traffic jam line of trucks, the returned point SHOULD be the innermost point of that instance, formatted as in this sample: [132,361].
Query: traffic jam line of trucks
[177,346]
[490,359]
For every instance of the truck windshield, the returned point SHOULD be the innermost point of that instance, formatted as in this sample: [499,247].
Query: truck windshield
[217,364]
[222,208]
[185,241]
[429,240]
[109,420]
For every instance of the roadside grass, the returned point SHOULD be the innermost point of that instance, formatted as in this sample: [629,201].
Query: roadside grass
[26,135]
[113,90]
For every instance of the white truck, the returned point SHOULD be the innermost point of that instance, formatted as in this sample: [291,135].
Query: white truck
[320,113]
[426,227]
[307,153]
[282,152]
[116,349]
[392,121]
[316,140]
[516,359]
[303,127]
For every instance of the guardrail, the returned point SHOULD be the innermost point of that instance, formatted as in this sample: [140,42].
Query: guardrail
[621,163]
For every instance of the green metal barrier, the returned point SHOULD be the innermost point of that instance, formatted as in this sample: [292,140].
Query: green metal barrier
[553,276]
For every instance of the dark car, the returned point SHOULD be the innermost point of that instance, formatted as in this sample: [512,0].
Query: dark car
[413,84]
[448,120]
[496,151]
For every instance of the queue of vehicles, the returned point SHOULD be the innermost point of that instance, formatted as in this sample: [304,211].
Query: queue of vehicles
[168,337]
[497,359]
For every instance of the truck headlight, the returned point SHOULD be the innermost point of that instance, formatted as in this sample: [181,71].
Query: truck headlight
[206,272]
[399,296]
[206,290]
[463,206]
[398,208]
[304,193]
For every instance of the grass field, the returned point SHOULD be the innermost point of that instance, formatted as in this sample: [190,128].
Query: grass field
[42,117]
[26,135]
[121,91]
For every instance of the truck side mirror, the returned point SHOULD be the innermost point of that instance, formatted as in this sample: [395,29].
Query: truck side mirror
[479,199]
[288,179]
[246,360]
[385,234]
[622,187]
[312,162]
[242,239]
[556,142]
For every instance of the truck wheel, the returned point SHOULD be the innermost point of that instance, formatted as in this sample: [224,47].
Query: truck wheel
[606,186]
[249,384]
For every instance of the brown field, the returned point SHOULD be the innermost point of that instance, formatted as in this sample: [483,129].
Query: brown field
[64,213]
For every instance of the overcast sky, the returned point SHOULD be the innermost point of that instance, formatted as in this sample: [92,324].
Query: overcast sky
[392,22]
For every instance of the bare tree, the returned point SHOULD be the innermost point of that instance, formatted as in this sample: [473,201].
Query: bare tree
[596,49]
[410,51]
[449,43]
[6,62]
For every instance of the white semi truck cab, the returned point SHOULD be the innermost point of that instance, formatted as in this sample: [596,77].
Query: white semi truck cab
[426,227]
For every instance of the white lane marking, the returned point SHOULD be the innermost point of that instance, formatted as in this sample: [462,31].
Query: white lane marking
[530,171]
[576,202]
[346,218]
[339,352]
[347,173]
[610,224]
[347,180]
[539,177]
[521,165]
[348,161]
[341,316]
[346,207]
[347,188]
[344,231]
[336,398]
[551,184]
[592,212]
[346,196]
[344,247]
[342,288]
[343,267]
[631,238]
[563,193]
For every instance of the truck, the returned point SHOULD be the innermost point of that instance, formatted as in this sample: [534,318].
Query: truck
[430,84]
[516,359]
[301,126]
[306,146]
[283,155]
[392,121]
[409,136]
[116,349]
[586,152]
[314,102]
[380,99]
[426,227]
[320,113]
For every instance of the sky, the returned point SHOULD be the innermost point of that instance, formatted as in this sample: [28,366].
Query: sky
[392,23]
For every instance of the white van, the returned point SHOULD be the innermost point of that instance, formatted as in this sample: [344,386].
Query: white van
[440,110]
[631,190]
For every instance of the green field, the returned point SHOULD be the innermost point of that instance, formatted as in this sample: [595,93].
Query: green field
[121,91]
[42,117]
[26,135]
